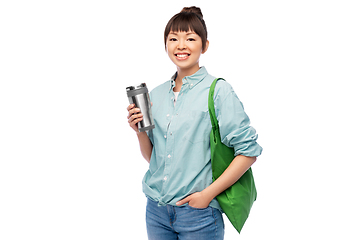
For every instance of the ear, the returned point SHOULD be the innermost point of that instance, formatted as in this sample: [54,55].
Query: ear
[206,47]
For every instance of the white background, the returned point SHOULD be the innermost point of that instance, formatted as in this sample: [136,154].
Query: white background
[70,165]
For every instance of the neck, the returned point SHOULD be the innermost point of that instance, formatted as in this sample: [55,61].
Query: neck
[181,73]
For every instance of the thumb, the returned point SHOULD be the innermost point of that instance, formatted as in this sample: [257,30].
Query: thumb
[183,201]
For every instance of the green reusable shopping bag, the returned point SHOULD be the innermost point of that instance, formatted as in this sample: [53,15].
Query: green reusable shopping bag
[237,200]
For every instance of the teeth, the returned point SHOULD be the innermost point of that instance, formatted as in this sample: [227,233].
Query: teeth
[182,55]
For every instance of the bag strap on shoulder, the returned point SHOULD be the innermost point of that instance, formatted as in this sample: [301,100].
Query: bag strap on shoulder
[211,107]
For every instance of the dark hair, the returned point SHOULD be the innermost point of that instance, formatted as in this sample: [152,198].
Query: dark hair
[190,18]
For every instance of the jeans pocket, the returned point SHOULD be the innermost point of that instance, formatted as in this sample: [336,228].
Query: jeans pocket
[198,209]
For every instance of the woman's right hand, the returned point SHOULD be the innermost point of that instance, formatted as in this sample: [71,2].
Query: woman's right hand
[134,117]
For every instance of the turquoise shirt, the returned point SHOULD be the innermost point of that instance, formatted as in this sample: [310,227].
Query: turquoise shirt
[180,161]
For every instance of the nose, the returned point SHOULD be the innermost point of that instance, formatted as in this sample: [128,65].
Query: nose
[181,45]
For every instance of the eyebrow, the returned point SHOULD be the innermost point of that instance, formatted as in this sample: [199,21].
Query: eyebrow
[175,33]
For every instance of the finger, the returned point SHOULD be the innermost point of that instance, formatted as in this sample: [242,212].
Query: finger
[130,106]
[135,117]
[133,111]
[183,201]
[137,120]
[134,126]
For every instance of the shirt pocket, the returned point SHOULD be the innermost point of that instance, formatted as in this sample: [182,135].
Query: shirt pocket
[197,126]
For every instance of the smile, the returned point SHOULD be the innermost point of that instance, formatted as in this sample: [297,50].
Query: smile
[182,56]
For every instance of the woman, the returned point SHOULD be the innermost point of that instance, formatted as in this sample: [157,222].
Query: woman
[181,195]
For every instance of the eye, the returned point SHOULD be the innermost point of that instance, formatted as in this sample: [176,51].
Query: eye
[191,39]
[172,39]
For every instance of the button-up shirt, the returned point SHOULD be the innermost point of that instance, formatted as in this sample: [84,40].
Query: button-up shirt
[180,162]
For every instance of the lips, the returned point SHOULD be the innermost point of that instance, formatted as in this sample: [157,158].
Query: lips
[182,56]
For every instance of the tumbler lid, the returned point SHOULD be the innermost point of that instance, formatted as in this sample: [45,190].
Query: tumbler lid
[130,88]
[132,91]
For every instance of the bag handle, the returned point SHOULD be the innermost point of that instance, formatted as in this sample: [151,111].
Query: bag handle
[214,122]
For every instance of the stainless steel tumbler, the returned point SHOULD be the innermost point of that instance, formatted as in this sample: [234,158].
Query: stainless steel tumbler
[140,97]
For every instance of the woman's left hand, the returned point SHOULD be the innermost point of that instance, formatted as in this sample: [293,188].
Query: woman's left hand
[195,200]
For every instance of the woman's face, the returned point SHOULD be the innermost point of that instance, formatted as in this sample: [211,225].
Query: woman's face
[184,49]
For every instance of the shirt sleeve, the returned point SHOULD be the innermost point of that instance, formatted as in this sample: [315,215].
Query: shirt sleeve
[234,124]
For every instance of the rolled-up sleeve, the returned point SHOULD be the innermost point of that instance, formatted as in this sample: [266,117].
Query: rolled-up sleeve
[234,124]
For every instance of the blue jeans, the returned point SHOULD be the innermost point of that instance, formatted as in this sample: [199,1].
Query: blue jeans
[183,223]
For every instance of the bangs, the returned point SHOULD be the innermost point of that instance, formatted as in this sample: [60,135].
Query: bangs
[184,22]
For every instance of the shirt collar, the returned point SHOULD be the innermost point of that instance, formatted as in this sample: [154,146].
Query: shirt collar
[192,80]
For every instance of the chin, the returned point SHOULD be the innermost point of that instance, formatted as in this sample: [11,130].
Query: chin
[183,65]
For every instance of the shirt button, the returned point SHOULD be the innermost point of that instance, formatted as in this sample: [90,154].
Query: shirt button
[165,178]
[169,156]
[168,115]
[164,136]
